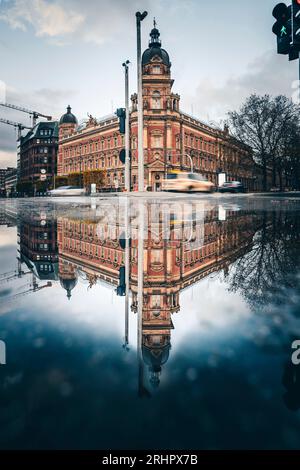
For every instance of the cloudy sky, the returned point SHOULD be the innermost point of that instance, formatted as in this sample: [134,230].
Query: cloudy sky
[56,52]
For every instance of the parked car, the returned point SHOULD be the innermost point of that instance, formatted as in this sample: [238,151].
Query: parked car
[68,191]
[187,182]
[232,187]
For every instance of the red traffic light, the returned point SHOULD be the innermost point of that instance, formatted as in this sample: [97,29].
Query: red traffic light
[280,12]
[298,2]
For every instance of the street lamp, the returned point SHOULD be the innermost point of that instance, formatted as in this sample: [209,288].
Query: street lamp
[185,155]
[127,140]
[139,18]
[191,161]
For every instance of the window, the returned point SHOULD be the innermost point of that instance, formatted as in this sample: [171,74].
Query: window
[156,69]
[157,141]
[155,301]
[156,100]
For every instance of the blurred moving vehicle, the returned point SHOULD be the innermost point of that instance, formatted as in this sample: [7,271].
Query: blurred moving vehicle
[232,187]
[68,191]
[187,182]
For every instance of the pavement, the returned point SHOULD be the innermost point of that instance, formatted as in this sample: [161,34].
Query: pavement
[167,195]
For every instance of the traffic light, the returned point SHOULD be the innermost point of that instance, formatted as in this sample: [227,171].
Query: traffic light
[121,289]
[122,155]
[296,23]
[121,113]
[122,241]
[283,27]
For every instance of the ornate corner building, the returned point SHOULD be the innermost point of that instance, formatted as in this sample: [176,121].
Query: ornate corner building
[171,137]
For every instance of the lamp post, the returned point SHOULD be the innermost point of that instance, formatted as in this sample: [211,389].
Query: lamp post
[139,18]
[191,162]
[184,155]
[127,139]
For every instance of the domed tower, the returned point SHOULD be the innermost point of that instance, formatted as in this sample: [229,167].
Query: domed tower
[160,109]
[67,123]
[155,351]
[67,126]
[67,277]
[157,82]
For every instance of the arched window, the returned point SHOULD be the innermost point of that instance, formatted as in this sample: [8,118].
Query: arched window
[156,100]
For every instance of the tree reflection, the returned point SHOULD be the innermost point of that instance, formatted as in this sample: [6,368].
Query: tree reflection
[266,273]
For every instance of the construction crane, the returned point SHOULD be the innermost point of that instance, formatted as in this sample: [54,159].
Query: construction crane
[35,114]
[17,125]
[7,277]
[34,288]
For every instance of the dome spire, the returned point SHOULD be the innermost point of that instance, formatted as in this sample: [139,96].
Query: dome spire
[154,36]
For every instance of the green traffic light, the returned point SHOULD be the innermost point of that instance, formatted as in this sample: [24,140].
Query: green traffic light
[283,31]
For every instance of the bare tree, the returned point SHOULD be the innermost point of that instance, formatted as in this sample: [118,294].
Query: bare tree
[263,123]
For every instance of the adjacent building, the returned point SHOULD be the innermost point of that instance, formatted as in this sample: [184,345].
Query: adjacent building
[8,181]
[171,137]
[2,181]
[11,182]
[38,157]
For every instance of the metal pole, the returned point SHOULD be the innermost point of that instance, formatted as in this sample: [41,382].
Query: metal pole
[140,288]
[191,161]
[127,140]
[127,270]
[139,19]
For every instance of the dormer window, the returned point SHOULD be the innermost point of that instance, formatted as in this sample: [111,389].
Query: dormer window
[156,69]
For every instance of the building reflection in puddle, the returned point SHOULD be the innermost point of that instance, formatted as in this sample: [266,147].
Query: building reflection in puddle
[182,244]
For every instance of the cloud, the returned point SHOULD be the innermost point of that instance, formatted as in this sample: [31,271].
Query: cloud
[63,21]
[48,19]
[269,73]
[8,158]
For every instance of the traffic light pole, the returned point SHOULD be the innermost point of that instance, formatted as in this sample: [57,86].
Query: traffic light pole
[127,129]
[140,289]
[139,19]
[127,270]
